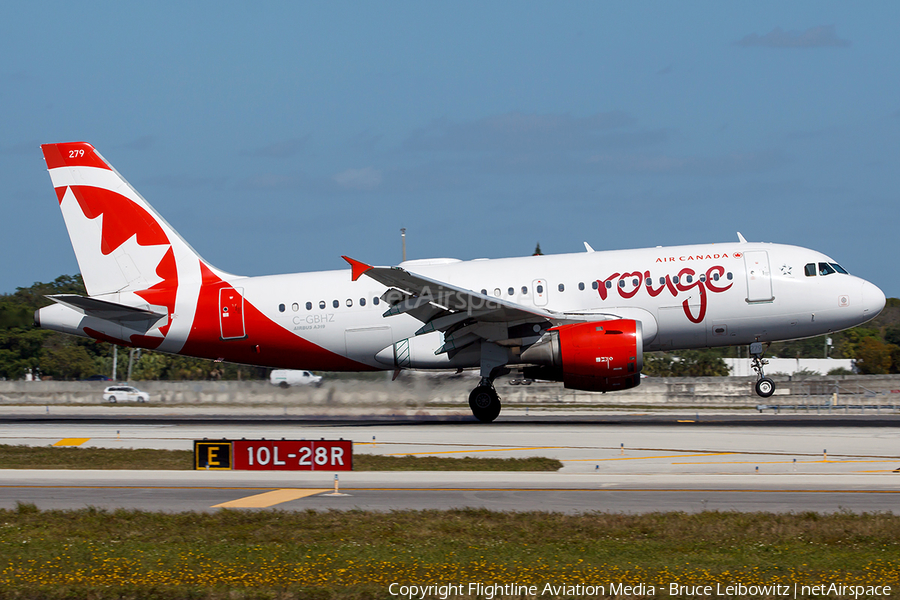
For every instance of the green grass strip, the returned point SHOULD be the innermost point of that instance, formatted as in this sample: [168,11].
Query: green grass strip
[53,457]
[238,555]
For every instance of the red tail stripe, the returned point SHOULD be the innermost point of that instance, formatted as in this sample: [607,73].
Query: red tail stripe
[72,154]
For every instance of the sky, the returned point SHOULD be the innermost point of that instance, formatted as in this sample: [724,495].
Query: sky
[276,137]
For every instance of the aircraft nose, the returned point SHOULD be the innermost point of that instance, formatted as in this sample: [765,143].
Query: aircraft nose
[872,299]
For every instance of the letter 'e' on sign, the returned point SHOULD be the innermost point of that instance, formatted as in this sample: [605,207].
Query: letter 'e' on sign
[212,455]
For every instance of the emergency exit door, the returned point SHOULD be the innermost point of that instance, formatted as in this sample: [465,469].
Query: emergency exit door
[231,313]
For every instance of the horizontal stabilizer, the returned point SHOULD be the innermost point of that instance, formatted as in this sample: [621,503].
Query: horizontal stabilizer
[108,311]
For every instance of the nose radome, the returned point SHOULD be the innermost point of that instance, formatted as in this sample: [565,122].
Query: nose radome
[873,300]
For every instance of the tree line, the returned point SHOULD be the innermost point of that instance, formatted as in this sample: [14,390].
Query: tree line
[24,348]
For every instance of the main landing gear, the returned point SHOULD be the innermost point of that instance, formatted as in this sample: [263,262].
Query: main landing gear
[484,401]
[765,387]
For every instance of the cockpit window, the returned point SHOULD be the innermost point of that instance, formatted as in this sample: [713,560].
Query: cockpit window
[826,269]
[839,268]
[810,270]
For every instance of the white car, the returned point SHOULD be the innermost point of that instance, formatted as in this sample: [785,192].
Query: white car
[114,393]
[288,377]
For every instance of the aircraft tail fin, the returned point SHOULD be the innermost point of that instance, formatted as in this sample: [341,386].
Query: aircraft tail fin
[120,241]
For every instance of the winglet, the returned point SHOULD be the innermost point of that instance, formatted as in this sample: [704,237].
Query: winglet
[357,267]
[741,238]
[587,247]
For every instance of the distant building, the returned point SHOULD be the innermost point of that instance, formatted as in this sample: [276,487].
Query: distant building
[740,367]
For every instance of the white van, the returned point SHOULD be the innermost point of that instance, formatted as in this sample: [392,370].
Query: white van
[287,377]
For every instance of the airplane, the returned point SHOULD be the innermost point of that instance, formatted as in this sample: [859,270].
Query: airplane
[584,319]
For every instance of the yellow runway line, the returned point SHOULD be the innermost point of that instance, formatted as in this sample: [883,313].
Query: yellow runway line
[270,498]
[71,441]
[649,457]
[778,462]
[484,450]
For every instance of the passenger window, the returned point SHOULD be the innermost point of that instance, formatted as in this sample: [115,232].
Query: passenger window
[580,286]
[810,270]
[511,291]
[662,281]
[335,303]
[524,290]
[376,300]
[621,283]
[649,282]
[703,278]
[562,287]
[609,285]
[635,282]
[595,285]
[349,302]
[825,269]
[362,301]
[675,279]
[309,306]
[497,292]
[321,304]
[689,278]
[295,307]
[715,276]
[281,308]
[729,276]
[540,289]
[484,292]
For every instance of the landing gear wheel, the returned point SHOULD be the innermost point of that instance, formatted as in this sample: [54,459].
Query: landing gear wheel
[765,387]
[485,403]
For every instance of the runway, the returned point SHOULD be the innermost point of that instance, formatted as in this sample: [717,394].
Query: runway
[780,464]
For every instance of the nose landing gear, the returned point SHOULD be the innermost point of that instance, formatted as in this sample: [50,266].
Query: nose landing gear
[765,387]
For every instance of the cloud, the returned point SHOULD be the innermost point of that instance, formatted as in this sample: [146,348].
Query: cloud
[282,149]
[270,181]
[823,36]
[523,133]
[179,181]
[365,179]
[23,148]
[714,166]
[142,143]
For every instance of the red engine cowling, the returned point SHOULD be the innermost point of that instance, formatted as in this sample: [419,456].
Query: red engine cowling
[601,356]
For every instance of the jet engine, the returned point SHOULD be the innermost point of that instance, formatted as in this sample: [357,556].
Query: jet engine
[599,356]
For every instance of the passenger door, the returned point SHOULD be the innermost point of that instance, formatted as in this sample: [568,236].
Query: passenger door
[759,278]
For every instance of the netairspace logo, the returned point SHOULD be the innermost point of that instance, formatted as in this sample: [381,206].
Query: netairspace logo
[492,591]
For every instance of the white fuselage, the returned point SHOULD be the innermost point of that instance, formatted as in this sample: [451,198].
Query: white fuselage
[726,294]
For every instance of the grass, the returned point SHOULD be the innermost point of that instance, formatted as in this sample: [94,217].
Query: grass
[376,462]
[53,457]
[238,555]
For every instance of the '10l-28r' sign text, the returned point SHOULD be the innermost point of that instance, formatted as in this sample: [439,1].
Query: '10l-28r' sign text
[274,455]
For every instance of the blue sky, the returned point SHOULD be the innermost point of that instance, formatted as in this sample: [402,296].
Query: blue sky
[277,137]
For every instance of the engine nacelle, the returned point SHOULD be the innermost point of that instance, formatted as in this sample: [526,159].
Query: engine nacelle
[600,356]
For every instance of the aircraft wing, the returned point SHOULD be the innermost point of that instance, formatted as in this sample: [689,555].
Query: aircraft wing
[464,316]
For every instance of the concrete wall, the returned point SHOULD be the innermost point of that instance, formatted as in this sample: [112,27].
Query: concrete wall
[411,392]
